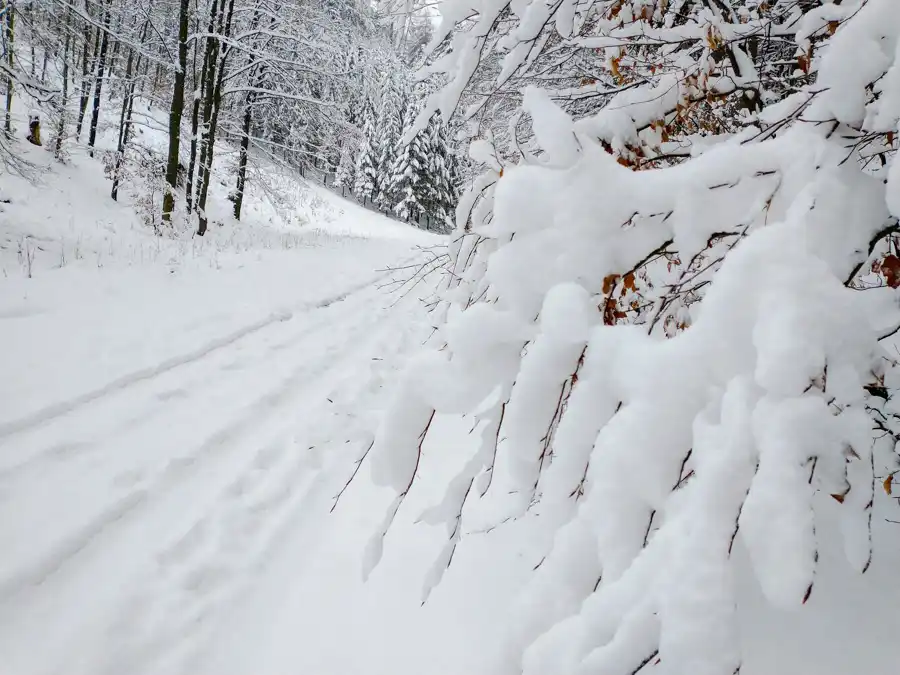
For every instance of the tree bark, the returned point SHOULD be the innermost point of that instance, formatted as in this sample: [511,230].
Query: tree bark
[189,184]
[209,137]
[253,79]
[87,57]
[124,121]
[142,76]
[242,162]
[175,113]
[127,108]
[9,80]
[98,85]
[64,102]
[157,76]
[215,9]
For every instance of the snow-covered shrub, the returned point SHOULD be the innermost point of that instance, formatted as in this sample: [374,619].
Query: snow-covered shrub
[670,318]
[146,179]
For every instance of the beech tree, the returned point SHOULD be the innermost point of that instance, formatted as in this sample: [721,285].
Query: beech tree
[175,112]
[670,308]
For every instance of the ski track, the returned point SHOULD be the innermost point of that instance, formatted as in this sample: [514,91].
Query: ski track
[178,537]
[58,409]
[151,376]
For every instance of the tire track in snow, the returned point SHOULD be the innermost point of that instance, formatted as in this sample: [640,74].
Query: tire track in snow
[274,494]
[295,540]
[201,573]
[49,415]
[178,471]
[55,410]
[71,546]
[115,553]
[98,564]
[61,408]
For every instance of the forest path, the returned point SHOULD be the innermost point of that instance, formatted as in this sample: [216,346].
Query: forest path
[137,503]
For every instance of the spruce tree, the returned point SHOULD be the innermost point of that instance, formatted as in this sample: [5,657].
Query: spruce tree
[409,174]
[439,193]
[366,180]
[346,169]
[391,117]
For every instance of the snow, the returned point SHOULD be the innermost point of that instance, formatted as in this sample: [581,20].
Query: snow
[175,410]
[695,466]
[225,455]
[178,419]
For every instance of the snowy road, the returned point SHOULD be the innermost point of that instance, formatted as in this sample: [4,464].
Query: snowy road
[136,509]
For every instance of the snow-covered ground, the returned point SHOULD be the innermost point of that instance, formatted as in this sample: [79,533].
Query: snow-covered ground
[177,414]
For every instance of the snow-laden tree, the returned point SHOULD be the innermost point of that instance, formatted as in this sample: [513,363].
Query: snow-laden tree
[672,315]
[409,24]
[423,177]
[408,178]
[392,112]
[281,81]
[443,175]
[345,174]
[351,134]
[366,179]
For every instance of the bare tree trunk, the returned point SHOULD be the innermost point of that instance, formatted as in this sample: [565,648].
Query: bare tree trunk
[98,86]
[209,137]
[44,66]
[175,113]
[197,83]
[128,103]
[143,77]
[215,9]
[242,162]
[124,121]
[253,79]
[64,102]
[206,164]
[157,76]
[87,57]
[189,184]
[114,53]
[9,80]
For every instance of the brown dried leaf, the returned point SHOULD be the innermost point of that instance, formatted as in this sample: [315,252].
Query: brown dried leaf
[888,484]
[609,282]
[890,268]
[614,67]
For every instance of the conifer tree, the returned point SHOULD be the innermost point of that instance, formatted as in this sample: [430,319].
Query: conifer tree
[409,179]
[440,192]
[366,178]
[345,174]
[391,116]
